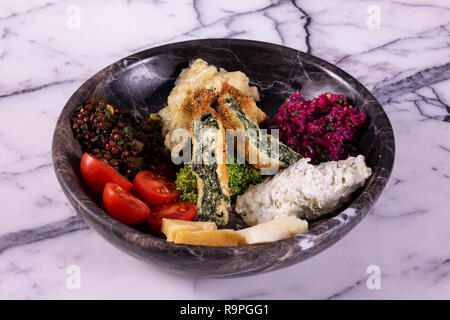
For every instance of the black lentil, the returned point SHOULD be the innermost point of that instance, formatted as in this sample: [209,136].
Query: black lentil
[110,133]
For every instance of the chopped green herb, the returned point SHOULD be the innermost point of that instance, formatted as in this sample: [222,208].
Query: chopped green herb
[129,131]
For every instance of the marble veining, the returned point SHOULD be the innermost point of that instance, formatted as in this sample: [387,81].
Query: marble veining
[405,63]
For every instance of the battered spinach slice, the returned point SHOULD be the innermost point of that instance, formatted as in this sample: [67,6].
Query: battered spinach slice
[210,170]
[265,144]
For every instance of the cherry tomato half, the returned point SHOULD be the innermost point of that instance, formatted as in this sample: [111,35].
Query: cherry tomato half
[181,210]
[124,206]
[96,174]
[154,188]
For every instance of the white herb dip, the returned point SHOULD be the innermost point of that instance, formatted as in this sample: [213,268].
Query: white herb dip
[304,190]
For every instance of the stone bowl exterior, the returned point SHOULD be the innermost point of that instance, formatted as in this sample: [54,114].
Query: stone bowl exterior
[142,83]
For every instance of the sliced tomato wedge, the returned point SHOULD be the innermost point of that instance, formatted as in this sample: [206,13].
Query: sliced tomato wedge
[153,188]
[96,174]
[124,206]
[181,210]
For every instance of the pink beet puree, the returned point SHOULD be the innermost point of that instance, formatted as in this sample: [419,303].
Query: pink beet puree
[323,129]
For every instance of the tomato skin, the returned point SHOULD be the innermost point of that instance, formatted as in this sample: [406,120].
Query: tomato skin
[153,188]
[124,206]
[96,174]
[181,210]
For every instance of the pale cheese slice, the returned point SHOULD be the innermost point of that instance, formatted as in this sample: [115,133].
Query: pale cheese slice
[277,229]
[214,238]
[171,226]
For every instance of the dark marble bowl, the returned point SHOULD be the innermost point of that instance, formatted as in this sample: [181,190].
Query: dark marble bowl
[142,82]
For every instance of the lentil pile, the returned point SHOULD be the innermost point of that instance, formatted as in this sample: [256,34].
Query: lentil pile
[322,129]
[125,141]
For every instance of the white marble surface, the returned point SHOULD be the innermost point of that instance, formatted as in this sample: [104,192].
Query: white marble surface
[406,63]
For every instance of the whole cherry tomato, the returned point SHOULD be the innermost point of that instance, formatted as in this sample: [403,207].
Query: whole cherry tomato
[124,206]
[97,173]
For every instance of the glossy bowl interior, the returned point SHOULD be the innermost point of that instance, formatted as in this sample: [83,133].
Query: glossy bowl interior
[142,83]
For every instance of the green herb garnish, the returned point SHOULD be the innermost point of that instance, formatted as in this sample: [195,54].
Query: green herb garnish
[129,131]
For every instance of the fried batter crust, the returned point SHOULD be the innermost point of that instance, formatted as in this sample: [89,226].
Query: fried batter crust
[246,103]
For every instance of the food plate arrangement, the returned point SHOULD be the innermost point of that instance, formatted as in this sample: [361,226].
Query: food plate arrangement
[222,157]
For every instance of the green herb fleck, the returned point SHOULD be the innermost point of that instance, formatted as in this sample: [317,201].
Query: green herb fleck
[129,131]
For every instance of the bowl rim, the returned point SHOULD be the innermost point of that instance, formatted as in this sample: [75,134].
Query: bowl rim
[353,213]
